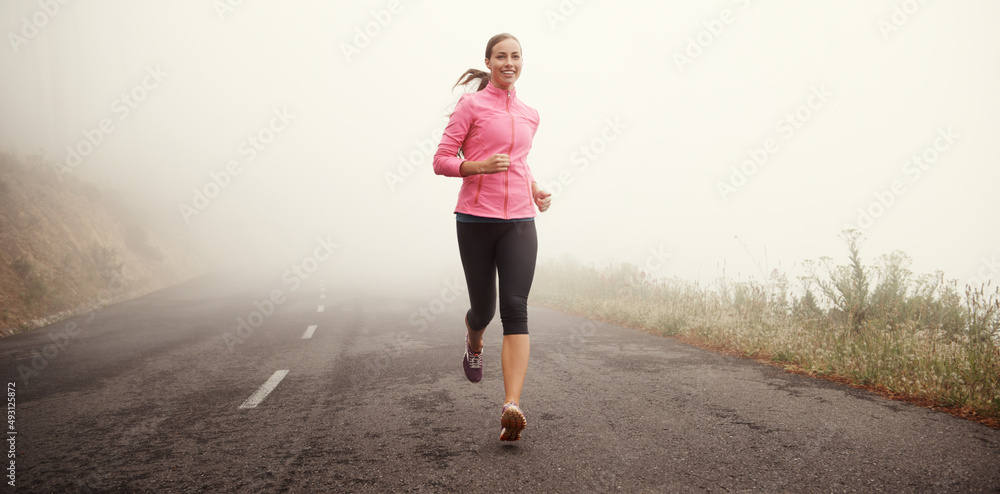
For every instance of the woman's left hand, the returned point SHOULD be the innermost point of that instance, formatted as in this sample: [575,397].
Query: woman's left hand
[542,199]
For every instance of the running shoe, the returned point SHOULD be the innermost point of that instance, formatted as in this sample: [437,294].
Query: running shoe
[513,422]
[472,363]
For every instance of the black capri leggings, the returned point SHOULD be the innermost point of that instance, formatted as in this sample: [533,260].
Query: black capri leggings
[506,249]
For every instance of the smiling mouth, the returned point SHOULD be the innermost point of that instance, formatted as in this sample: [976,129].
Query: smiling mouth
[507,72]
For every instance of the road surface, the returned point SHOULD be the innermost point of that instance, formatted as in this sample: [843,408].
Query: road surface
[342,390]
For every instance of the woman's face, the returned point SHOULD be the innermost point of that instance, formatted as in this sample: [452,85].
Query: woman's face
[505,64]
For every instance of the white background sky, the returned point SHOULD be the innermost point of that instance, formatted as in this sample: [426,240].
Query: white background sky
[653,188]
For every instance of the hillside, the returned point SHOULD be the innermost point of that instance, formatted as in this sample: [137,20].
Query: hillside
[67,247]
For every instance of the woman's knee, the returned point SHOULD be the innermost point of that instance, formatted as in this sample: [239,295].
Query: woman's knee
[479,317]
[514,314]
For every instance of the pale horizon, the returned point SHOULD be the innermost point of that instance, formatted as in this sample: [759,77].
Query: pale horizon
[677,137]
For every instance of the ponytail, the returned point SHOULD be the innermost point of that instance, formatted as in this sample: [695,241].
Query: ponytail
[472,75]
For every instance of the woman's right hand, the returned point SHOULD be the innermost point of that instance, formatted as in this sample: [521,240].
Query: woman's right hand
[495,164]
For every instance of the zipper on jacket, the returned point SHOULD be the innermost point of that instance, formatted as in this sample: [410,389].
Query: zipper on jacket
[478,189]
[509,152]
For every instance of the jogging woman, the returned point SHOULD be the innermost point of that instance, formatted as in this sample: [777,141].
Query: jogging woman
[486,143]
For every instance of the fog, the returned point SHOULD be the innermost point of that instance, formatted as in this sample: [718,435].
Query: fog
[680,136]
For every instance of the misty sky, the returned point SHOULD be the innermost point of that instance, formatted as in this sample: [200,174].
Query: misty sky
[649,112]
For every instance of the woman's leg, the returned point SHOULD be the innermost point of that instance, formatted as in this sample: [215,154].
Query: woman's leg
[514,360]
[515,259]
[477,247]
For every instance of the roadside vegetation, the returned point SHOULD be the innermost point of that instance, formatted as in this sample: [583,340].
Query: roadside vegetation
[68,246]
[922,338]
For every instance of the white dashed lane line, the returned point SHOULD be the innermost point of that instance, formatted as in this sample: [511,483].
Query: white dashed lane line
[309,332]
[264,390]
[272,382]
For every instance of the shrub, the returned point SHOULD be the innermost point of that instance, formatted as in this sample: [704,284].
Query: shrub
[23,267]
[879,326]
[106,262]
[137,240]
[36,290]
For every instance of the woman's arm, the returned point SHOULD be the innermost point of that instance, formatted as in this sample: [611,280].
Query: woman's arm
[469,168]
[446,160]
[494,164]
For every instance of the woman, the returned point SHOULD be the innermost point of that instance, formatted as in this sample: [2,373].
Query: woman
[486,143]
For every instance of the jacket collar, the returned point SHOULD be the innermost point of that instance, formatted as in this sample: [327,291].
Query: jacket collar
[495,91]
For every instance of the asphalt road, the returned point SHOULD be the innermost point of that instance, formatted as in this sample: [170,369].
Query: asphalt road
[152,395]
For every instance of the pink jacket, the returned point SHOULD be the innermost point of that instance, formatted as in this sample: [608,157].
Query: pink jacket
[488,122]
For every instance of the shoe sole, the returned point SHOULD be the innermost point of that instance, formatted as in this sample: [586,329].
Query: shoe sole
[513,422]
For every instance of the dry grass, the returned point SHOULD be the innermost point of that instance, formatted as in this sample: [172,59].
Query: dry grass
[66,247]
[878,327]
